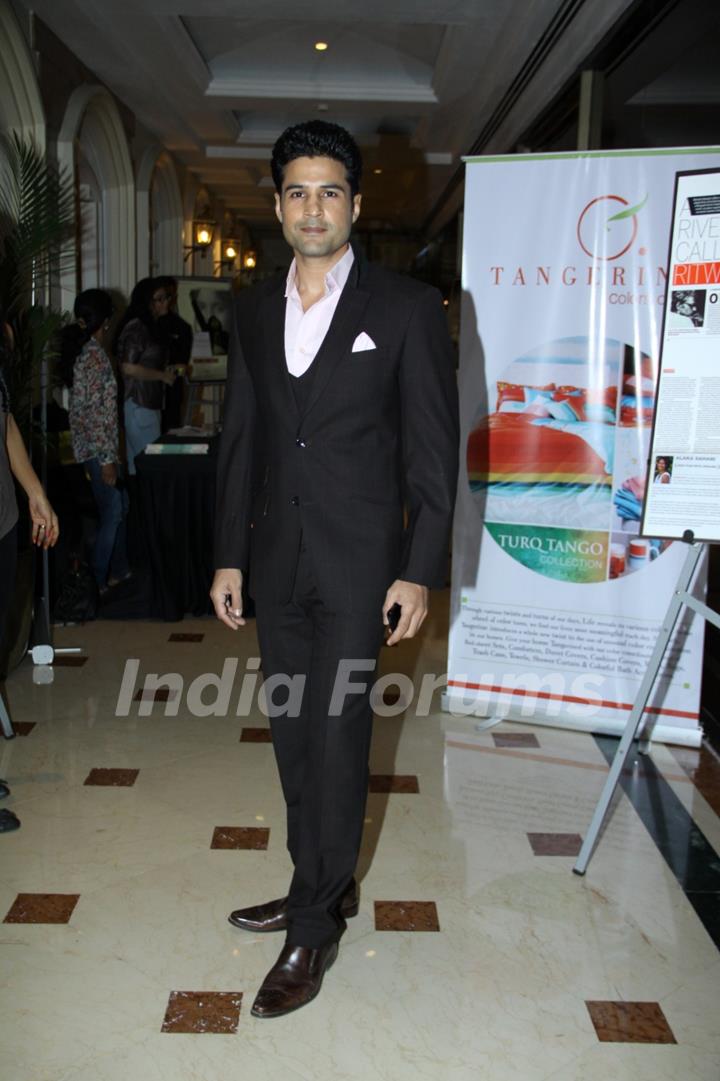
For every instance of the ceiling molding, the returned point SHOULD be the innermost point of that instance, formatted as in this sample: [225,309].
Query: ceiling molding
[256,153]
[448,73]
[676,96]
[185,50]
[230,122]
[571,33]
[555,35]
[309,90]
[417,84]
[257,137]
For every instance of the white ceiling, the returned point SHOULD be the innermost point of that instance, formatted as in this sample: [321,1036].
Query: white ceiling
[416,81]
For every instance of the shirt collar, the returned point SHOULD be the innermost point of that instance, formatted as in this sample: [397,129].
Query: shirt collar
[335,279]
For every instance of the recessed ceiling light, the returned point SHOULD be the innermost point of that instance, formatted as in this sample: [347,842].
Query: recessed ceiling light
[321,46]
[377,172]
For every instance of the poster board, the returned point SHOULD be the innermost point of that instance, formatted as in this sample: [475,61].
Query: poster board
[683,487]
[206,304]
[556,597]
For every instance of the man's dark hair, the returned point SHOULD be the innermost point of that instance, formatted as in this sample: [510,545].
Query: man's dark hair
[317,139]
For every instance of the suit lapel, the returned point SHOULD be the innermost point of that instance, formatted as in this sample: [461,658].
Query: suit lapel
[341,334]
[273,330]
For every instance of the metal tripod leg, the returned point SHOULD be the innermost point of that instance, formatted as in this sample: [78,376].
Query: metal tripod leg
[5,723]
[678,600]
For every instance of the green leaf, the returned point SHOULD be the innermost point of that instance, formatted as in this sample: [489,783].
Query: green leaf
[37,228]
[37,220]
[629,212]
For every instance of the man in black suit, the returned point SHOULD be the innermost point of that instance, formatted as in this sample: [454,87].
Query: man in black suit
[336,484]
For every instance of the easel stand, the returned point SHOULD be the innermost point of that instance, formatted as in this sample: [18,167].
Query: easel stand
[6,725]
[42,651]
[680,598]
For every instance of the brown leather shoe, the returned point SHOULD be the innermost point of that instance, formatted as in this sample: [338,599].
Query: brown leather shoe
[294,980]
[272,916]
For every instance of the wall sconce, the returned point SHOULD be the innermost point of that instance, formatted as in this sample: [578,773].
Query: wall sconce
[203,231]
[249,260]
[230,252]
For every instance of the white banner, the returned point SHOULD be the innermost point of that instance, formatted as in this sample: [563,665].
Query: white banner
[556,598]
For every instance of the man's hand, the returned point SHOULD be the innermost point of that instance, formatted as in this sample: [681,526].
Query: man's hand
[413,599]
[226,595]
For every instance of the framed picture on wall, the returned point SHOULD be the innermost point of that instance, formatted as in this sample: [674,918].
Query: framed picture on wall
[206,303]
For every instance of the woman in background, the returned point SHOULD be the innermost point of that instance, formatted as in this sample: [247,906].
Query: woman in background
[85,367]
[143,359]
[14,462]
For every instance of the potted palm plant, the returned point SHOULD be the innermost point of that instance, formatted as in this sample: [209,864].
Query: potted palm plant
[37,224]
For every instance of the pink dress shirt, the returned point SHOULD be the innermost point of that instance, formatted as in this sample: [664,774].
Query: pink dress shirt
[305,331]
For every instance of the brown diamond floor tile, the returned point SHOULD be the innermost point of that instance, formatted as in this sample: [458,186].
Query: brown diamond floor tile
[393,782]
[185,636]
[203,1011]
[515,739]
[42,908]
[23,728]
[250,837]
[703,769]
[116,778]
[406,916]
[630,1022]
[68,660]
[162,694]
[555,844]
[256,735]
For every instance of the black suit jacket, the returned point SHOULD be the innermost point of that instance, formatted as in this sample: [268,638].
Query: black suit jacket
[367,472]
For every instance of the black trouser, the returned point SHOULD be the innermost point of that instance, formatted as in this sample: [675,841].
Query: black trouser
[322,759]
[8,563]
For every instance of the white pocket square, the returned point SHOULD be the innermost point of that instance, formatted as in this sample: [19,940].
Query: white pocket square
[363,342]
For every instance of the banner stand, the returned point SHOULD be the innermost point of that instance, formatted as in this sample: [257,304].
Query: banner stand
[681,598]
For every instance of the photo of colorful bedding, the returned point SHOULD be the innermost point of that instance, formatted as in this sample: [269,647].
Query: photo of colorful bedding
[628,552]
[543,458]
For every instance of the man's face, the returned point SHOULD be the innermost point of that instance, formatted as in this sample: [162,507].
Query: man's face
[315,207]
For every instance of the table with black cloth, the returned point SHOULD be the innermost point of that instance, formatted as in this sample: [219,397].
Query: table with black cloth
[176,495]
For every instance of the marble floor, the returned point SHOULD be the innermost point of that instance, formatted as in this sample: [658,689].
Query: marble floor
[148,813]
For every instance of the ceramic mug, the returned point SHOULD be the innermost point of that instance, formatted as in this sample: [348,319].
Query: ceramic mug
[638,553]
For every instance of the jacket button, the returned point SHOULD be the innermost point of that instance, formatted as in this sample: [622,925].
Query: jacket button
[300,443]
[295,501]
